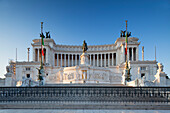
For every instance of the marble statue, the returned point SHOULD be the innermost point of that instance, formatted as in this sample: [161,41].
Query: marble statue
[8,69]
[28,82]
[160,67]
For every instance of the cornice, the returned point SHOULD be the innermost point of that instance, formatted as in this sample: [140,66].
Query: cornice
[38,42]
[131,43]
[91,48]
[89,52]
[46,41]
[122,39]
[143,62]
[27,63]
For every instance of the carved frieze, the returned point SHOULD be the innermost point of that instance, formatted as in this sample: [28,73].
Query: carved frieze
[68,76]
[53,78]
[115,78]
[99,76]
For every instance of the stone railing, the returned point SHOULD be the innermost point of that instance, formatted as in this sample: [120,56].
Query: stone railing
[99,94]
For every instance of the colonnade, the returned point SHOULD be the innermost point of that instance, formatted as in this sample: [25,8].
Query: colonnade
[132,56]
[95,59]
[66,60]
[132,53]
[38,55]
[99,60]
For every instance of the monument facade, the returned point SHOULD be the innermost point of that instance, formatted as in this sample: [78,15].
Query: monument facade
[87,64]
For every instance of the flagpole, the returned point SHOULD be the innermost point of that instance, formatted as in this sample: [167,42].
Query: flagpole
[127,69]
[16,54]
[155,53]
[41,43]
[126,47]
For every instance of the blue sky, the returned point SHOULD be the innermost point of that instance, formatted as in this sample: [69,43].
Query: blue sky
[96,21]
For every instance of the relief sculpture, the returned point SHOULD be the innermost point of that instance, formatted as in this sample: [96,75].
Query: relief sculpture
[53,78]
[100,76]
[70,76]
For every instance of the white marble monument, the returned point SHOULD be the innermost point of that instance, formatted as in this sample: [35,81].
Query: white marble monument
[101,64]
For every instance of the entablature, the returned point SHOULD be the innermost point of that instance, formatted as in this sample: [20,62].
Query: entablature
[27,63]
[88,52]
[97,48]
[91,48]
[143,62]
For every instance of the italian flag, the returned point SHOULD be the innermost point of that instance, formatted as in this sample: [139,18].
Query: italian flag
[126,42]
[42,45]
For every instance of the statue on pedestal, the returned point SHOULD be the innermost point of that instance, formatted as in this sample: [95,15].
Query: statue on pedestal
[160,67]
[41,76]
[84,56]
[84,47]
[128,75]
[28,82]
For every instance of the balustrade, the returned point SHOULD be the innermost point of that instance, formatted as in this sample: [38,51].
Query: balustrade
[86,93]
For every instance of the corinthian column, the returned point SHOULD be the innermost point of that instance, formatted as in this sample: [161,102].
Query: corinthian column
[68,60]
[137,54]
[97,60]
[38,54]
[108,59]
[79,59]
[72,59]
[75,59]
[93,59]
[90,59]
[61,60]
[101,60]
[57,59]
[132,54]
[54,60]
[34,56]
[112,59]
[105,60]
[64,60]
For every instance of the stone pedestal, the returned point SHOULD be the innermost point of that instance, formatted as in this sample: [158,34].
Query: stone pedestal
[84,59]
[160,76]
[126,76]
[84,62]
[8,79]
[43,76]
